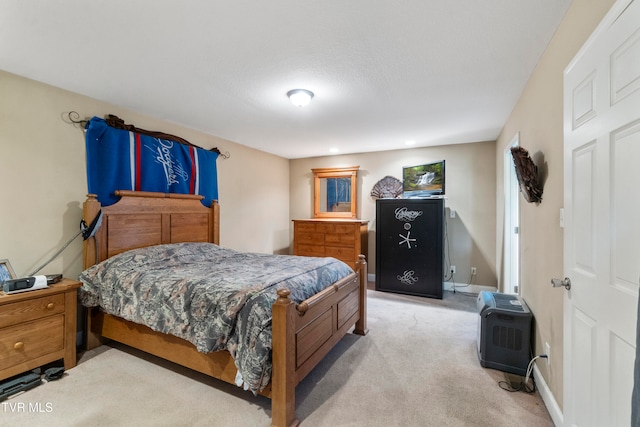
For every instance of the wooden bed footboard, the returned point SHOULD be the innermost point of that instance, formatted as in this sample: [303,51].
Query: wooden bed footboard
[302,333]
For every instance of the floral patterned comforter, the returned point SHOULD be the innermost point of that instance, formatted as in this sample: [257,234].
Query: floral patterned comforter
[215,298]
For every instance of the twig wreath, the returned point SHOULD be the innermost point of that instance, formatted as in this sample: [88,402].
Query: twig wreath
[527,173]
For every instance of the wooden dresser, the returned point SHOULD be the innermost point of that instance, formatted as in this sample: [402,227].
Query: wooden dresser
[343,239]
[38,327]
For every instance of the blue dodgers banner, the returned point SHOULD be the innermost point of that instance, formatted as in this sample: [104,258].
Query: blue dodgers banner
[119,159]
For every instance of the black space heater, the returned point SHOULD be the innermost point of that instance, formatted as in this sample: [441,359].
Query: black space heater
[504,332]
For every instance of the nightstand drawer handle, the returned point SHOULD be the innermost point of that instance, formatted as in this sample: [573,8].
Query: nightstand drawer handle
[50,306]
[18,346]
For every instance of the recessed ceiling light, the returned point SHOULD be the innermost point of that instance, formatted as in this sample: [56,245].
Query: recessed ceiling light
[334,150]
[409,143]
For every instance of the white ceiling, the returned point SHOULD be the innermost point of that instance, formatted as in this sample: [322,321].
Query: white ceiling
[383,72]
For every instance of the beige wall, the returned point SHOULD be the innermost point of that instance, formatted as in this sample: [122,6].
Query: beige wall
[42,165]
[538,118]
[470,191]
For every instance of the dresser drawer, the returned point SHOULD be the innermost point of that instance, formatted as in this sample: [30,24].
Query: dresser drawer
[301,227]
[27,341]
[310,250]
[326,227]
[350,229]
[24,311]
[307,238]
[345,254]
[340,239]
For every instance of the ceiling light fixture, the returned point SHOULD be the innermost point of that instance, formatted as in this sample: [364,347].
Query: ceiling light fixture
[300,97]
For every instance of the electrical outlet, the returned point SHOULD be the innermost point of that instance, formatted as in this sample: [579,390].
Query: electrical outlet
[473,271]
[453,269]
[547,350]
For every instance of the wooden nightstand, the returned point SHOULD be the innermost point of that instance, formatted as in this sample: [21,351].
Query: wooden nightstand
[38,327]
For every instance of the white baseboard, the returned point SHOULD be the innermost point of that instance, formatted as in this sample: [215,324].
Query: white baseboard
[462,287]
[547,397]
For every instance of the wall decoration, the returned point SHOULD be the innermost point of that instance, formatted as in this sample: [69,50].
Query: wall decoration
[527,173]
[123,159]
[387,188]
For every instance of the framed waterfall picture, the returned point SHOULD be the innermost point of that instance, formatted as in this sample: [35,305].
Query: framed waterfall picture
[6,272]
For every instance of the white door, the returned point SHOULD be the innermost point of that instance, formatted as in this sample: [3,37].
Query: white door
[512,222]
[602,221]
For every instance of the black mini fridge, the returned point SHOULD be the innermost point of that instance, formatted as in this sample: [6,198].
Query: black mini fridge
[409,246]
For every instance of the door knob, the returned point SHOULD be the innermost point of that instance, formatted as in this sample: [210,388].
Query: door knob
[566,283]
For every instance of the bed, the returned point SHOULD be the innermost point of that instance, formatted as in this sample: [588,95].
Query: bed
[302,332]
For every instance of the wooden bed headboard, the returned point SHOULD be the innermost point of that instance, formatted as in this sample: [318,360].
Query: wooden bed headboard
[141,219]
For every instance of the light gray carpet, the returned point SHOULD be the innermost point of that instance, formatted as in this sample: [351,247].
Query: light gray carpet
[416,367]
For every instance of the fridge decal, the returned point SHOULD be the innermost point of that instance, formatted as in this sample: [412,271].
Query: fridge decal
[406,215]
[408,278]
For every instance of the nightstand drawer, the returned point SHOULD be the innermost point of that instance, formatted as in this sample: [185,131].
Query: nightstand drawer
[24,311]
[38,327]
[28,341]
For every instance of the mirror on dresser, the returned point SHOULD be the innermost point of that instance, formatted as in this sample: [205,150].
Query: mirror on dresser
[334,192]
[334,229]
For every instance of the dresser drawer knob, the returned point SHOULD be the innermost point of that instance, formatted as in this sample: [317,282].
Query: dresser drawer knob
[50,306]
[18,346]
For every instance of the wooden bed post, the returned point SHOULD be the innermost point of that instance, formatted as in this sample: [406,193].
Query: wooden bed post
[90,209]
[361,324]
[215,219]
[283,383]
